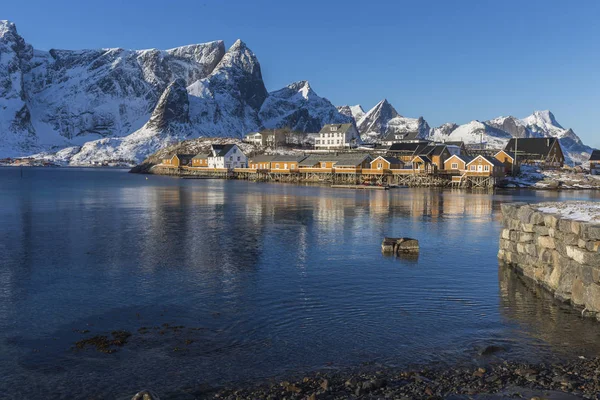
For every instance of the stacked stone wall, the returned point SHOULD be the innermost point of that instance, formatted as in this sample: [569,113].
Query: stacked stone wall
[558,253]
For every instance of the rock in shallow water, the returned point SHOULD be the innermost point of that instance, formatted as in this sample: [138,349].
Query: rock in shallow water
[145,395]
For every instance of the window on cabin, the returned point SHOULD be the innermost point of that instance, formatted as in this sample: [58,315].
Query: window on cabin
[238,159]
[379,165]
[234,150]
[486,168]
[473,168]
[276,166]
[454,166]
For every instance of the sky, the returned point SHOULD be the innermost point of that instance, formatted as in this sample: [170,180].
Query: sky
[448,61]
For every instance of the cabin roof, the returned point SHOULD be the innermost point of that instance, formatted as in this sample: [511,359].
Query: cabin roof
[595,156]
[289,158]
[489,159]
[457,143]
[511,154]
[431,150]
[183,155]
[536,147]
[201,156]
[342,128]
[391,160]
[408,146]
[424,158]
[222,149]
[262,158]
[339,160]
[464,158]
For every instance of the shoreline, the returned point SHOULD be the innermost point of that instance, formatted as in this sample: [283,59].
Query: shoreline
[570,379]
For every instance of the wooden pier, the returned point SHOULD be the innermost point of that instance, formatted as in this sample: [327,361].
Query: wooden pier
[338,177]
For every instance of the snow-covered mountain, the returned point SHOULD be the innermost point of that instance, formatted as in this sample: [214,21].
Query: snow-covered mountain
[297,106]
[103,99]
[355,112]
[383,119]
[496,132]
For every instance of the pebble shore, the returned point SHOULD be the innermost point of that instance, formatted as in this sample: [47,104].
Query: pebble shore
[578,379]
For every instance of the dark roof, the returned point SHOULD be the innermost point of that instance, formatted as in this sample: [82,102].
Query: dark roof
[424,158]
[491,160]
[407,146]
[284,158]
[531,147]
[343,128]
[391,160]
[222,149]
[595,156]
[261,158]
[466,159]
[431,150]
[182,156]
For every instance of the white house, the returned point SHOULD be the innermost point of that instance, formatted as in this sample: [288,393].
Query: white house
[266,138]
[337,136]
[226,156]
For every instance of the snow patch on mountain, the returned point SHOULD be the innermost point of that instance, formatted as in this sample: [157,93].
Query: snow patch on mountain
[298,107]
[383,119]
[355,112]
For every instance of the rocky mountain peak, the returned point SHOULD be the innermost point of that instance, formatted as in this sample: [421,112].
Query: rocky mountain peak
[172,108]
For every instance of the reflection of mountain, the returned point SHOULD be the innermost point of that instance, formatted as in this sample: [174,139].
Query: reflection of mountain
[542,317]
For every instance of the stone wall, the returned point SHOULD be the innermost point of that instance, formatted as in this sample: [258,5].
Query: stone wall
[556,252]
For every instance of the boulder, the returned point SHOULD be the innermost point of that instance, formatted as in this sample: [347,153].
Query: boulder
[399,245]
[145,395]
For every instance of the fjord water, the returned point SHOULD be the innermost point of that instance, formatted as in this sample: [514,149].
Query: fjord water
[260,280]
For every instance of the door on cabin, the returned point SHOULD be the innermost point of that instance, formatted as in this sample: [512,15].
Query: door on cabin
[480,168]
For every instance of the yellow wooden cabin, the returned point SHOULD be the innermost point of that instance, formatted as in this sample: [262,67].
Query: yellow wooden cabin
[200,160]
[485,166]
[386,163]
[178,160]
[457,163]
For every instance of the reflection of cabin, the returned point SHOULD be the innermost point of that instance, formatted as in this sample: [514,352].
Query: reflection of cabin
[508,159]
[485,166]
[595,162]
[178,160]
[200,160]
[457,163]
[285,163]
[383,163]
[262,162]
[227,156]
[545,152]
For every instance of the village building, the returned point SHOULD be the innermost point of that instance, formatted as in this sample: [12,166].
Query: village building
[337,136]
[286,163]
[508,159]
[227,156]
[265,138]
[386,163]
[200,160]
[595,162]
[404,137]
[423,164]
[545,152]
[457,147]
[485,166]
[262,162]
[178,160]
[351,162]
[436,153]
[405,151]
[457,163]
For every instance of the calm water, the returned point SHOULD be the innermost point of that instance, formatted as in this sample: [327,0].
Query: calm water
[266,280]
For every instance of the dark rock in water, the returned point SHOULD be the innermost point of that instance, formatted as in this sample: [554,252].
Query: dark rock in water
[399,245]
[489,350]
[145,395]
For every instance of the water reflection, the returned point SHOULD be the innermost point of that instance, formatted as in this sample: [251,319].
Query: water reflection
[537,313]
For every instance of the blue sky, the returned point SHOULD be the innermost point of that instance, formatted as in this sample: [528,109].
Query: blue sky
[448,61]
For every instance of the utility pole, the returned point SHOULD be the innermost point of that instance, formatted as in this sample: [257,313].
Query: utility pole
[515,160]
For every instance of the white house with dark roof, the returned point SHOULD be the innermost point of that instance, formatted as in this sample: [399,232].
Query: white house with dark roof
[337,136]
[226,156]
